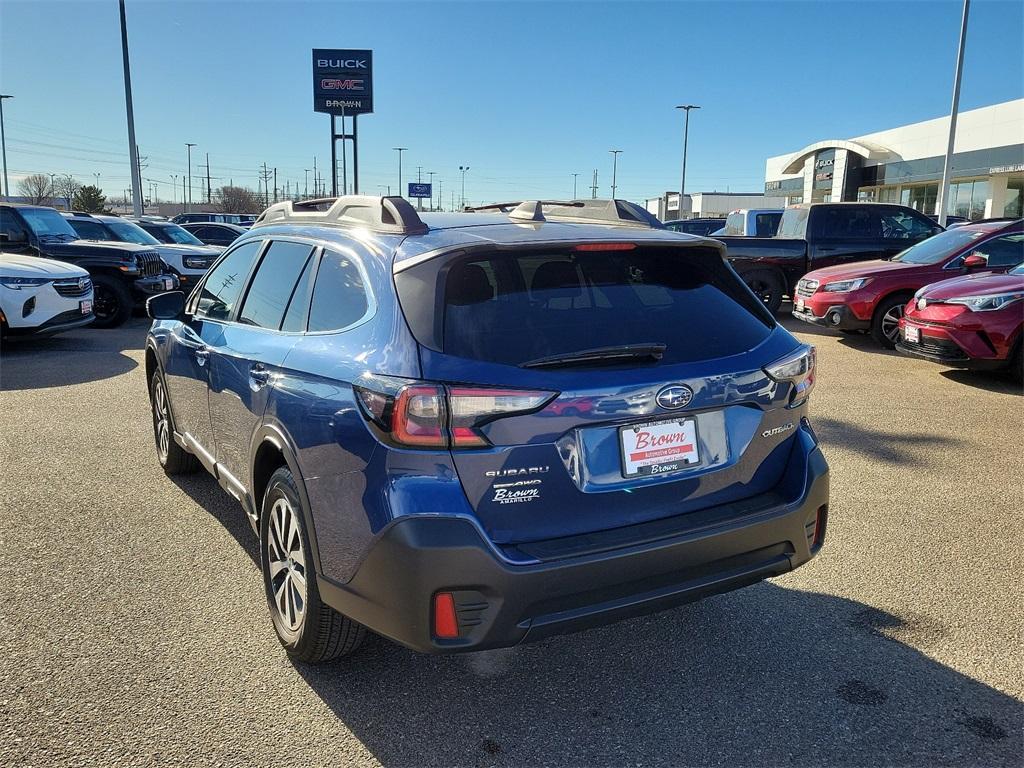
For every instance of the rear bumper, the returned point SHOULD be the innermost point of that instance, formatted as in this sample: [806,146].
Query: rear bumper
[500,604]
[838,316]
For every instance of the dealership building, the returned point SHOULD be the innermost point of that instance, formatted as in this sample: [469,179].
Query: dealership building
[904,165]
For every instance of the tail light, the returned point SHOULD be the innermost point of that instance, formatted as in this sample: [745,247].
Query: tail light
[798,369]
[438,416]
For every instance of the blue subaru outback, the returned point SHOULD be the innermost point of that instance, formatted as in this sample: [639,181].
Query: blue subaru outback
[467,431]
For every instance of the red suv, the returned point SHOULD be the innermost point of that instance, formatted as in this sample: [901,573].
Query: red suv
[870,295]
[968,322]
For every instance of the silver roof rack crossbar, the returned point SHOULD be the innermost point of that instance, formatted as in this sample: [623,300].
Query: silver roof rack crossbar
[381,214]
[618,212]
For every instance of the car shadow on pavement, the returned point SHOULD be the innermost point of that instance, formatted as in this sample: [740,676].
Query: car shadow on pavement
[991,381]
[763,676]
[890,447]
[76,357]
[205,491]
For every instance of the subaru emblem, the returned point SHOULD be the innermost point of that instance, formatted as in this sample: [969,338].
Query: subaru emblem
[674,396]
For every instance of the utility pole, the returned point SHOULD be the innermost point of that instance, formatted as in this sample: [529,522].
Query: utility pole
[265,178]
[574,185]
[440,200]
[615,167]
[593,187]
[419,180]
[400,150]
[188,201]
[431,175]
[3,144]
[947,165]
[208,190]
[140,167]
[132,149]
[463,169]
[316,189]
[307,182]
[275,185]
[686,137]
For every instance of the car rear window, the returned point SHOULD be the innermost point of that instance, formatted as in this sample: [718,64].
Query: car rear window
[511,308]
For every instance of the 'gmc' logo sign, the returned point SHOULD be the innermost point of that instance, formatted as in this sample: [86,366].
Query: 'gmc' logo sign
[333,84]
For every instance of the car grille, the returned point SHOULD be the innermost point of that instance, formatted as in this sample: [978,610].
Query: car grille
[806,288]
[149,263]
[930,345]
[73,289]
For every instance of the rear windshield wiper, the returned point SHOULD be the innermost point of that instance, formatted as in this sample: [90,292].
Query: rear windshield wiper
[647,351]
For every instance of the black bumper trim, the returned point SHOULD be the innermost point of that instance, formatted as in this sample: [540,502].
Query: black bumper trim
[847,320]
[503,604]
[951,360]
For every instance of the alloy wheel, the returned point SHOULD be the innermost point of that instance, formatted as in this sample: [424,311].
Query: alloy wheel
[161,420]
[104,302]
[891,323]
[287,564]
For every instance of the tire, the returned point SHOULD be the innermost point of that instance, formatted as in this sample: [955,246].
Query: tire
[112,302]
[885,323]
[174,459]
[309,630]
[767,286]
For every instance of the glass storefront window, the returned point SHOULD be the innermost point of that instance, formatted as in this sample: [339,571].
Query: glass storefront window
[967,199]
[1014,205]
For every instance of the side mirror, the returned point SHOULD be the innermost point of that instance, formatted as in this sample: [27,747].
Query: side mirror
[975,261]
[166,306]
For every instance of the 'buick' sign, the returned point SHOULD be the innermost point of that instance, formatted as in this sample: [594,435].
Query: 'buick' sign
[342,81]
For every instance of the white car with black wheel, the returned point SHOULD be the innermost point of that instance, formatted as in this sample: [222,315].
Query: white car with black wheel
[41,296]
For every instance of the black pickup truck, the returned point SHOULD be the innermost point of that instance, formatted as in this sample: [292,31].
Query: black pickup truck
[815,235]
[123,274]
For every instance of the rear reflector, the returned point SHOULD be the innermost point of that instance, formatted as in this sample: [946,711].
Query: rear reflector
[605,247]
[819,526]
[446,623]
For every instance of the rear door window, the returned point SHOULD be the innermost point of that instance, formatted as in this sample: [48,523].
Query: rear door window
[902,225]
[272,286]
[90,230]
[844,222]
[339,296]
[512,309]
[1007,251]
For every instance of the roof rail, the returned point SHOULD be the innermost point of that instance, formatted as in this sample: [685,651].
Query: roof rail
[621,213]
[381,214]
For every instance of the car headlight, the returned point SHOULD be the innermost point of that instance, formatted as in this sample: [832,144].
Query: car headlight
[17,283]
[844,286]
[920,291]
[197,262]
[987,303]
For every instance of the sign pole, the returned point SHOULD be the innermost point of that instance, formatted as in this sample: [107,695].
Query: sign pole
[355,155]
[344,152]
[334,158]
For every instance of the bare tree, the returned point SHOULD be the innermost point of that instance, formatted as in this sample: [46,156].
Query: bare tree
[239,200]
[66,187]
[36,188]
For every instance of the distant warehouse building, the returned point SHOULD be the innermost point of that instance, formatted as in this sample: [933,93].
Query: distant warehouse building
[904,165]
[709,205]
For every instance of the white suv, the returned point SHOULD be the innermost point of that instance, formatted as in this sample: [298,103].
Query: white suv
[42,296]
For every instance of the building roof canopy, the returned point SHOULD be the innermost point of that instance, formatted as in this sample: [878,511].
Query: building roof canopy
[865,149]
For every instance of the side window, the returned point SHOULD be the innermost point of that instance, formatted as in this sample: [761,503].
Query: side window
[845,222]
[339,296]
[298,305]
[10,226]
[901,225]
[90,230]
[224,283]
[1006,251]
[272,286]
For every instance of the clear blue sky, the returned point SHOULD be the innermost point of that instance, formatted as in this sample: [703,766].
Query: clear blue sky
[524,93]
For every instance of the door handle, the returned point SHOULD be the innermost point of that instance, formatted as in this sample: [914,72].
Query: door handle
[827,250]
[202,355]
[258,377]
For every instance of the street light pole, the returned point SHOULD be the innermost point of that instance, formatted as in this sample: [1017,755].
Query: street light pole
[431,175]
[463,168]
[188,202]
[615,167]
[686,137]
[400,150]
[133,151]
[574,185]
[174,188]
[3,144]
[947,165]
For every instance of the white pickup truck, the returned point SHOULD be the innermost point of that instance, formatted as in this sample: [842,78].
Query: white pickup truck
[751,222]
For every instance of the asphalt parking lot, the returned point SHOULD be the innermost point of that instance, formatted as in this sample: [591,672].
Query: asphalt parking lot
[133,628]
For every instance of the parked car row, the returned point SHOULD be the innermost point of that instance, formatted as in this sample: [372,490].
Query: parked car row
[961,308]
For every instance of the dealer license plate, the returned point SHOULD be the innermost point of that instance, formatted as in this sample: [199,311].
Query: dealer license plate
[799,305]
[911,334]
[168,283]
[659,447]
[85,306]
